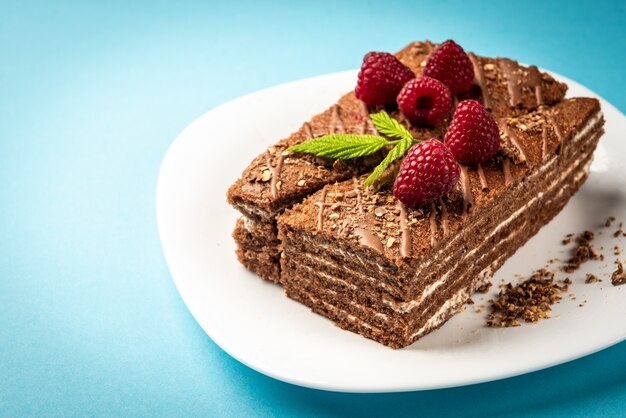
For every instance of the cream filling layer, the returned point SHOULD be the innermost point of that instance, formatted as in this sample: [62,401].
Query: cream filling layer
[484,277]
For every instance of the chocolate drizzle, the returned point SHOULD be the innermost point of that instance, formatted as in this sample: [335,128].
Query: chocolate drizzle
[275,170]
[544,144]
[321,205]
[534,81]
[506,167]
[433,223]
[368,239]
[555,127]
[444,217]
[483,179]
[510,70]
[557,130]
[405,247]
[336,124]
[480,79]
[466,187]
[514,142]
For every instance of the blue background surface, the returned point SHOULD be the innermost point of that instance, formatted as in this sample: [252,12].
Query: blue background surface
[91,96]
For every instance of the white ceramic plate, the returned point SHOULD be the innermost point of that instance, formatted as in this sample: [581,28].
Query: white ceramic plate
[255,323]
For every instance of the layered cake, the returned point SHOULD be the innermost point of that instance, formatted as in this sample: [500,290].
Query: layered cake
[393,257]
[393,274]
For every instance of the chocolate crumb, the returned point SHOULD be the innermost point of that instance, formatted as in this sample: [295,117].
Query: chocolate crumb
[618,277]
[568,239]
[609,221]
[484,288]
[470,301]
[529,301]
[592,278]
[617,250]
[582,252]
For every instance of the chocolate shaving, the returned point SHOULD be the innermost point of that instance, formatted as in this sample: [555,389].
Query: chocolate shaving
[568,239]
[528,301]
[618,277]
[591,278]
[484,288]
[582,252]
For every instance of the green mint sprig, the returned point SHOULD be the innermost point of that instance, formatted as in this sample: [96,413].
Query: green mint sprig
[396,153]
[349,146]
[341,146]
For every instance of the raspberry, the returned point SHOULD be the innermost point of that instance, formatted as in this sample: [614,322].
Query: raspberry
[427,173]
[381,77]
[425,100]
[451,65]
[473,136]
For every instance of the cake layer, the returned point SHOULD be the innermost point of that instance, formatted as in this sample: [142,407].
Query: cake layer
[398,329]
[258,248]
[262,263]
[439,263]
[338,216]
[374,279]
[303,265]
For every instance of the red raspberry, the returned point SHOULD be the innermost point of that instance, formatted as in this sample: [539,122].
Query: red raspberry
[451,65]
[473,136]
[425,100]
[427,173]
[381,77]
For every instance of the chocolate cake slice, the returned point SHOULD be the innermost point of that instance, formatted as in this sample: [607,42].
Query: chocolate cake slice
[393,274]
[275,181]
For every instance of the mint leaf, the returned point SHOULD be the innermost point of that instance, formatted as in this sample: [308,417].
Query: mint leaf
[341,146]
[390,127]
[397,152]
